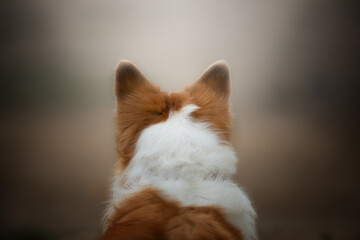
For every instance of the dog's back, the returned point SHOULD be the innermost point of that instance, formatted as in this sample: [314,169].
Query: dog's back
[147,215]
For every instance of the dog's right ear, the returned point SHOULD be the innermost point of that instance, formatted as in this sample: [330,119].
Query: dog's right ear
[127,79]
[214,82]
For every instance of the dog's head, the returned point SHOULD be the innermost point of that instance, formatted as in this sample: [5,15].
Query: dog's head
[140,105]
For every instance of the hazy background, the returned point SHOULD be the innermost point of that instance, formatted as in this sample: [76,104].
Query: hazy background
[294,67]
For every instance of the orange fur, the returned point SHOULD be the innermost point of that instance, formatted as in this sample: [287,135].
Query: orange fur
[211,93]
[146,215]
[213,110]
[145,106]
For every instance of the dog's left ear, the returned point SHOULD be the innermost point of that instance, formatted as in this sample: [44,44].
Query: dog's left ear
[128,78]
[216,79]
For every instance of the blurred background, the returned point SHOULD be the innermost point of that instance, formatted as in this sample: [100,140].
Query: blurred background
[294,68]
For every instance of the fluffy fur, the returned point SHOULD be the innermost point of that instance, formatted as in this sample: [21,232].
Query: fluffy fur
[176,163]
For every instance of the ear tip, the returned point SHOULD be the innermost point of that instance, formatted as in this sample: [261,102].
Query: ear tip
[125,62]
[125,65]
[126,69]
[219,68]
[221,62]
[221,65]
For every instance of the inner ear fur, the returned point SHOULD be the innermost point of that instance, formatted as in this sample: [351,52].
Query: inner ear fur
[217,79]
[127,79]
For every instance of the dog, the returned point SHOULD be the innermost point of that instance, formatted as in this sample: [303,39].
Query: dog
[173,179]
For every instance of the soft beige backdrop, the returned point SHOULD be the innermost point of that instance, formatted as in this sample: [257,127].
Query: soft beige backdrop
[295,122]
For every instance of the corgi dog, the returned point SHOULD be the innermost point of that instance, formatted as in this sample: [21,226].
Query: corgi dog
[173,179]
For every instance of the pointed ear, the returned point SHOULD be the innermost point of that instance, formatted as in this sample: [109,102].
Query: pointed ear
[127,78]
[216,78]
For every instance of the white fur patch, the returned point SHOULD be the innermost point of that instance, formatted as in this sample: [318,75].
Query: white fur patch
[189,163]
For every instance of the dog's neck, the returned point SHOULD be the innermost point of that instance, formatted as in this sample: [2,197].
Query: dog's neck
[181,148]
